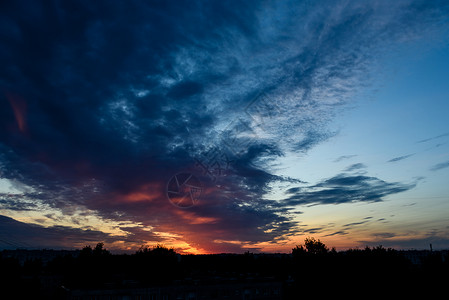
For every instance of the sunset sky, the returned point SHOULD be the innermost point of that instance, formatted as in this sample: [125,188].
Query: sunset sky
[224,126]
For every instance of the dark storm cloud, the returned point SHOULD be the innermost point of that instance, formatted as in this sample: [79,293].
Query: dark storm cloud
[15,234]
[103,102]
[346,188]
[12,205]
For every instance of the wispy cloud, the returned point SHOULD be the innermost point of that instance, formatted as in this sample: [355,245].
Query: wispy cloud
[440,166]
[355,167]
[344,157]
[354,224]
[399,158]
[407,242]
[340,232]
[433,138]
[384,235]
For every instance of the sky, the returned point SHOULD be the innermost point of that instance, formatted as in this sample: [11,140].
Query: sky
[224,126]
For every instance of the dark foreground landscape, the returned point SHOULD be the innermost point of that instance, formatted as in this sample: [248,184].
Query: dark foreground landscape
[161,273]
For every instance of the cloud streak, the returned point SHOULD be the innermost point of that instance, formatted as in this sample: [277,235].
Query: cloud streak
[440,166]
[399,158]
[433,138]
[344,157]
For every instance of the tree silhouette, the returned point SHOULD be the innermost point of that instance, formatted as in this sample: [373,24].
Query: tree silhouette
[311,246]
[158,250]
[86,251]
[315,246]
[100,251]
[298,251]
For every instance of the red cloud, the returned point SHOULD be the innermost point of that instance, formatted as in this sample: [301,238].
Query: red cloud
[19,108]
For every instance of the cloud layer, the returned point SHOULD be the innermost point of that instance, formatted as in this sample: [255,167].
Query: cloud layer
[102,103]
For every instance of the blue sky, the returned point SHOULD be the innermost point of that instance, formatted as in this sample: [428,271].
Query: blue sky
[224,127]
[398,133]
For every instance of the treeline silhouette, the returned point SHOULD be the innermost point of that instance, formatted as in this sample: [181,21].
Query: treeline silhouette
[309,269]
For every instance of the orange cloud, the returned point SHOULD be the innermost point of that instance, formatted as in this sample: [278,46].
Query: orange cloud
[194,219]
[19,108]
[147,192]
